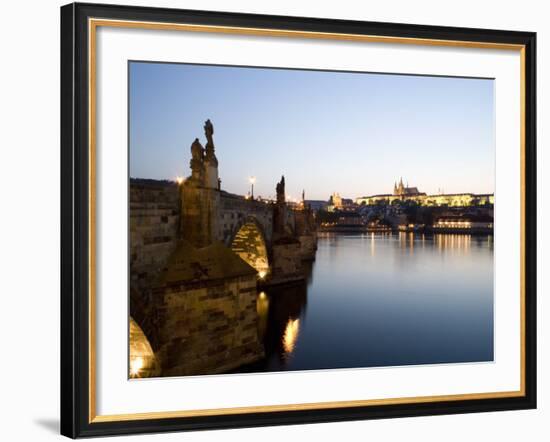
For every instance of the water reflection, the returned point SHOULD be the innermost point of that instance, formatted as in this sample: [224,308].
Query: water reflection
[262,308]
[290,336]
[380,300]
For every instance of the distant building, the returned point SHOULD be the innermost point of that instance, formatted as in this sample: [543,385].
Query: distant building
[344,221]
[464,222]
[402,191]
[406,193]
[336,200]
[373,199]
[350,219]
[459,199]
[317,205]
[337,203]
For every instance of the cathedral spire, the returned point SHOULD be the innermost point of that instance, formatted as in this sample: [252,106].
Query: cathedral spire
[400,188]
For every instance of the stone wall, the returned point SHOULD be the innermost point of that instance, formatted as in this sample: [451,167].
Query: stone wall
[205,308]
[306,233]
[286,265]
[290,222]
[154,227]
[199,214]
[308,246]
[210,328]
[284,220]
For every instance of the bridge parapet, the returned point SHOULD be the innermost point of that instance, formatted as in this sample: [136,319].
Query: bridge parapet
[154,228]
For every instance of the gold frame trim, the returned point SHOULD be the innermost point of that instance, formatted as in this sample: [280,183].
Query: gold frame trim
[93,24]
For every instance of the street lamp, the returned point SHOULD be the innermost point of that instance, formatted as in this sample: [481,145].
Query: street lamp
[252,180]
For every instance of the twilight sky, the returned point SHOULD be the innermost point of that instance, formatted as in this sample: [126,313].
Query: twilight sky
[352,133]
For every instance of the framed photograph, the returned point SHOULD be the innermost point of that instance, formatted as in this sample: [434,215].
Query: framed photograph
[275,220]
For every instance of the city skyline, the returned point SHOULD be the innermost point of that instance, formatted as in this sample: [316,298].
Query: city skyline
[351,133]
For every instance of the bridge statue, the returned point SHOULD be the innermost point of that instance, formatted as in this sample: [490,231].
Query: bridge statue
[210,161]
[280,189]
[208,132]
[197,161]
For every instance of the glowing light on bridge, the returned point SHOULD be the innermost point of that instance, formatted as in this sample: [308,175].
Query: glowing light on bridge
[249,244]
[136,365]
[262,308]
[142,362]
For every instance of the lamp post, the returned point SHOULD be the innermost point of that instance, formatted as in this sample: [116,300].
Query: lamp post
[252,180]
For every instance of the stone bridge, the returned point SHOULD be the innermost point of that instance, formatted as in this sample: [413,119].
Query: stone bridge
[197,257]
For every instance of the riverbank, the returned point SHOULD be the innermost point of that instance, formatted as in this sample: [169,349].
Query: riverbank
[408,229]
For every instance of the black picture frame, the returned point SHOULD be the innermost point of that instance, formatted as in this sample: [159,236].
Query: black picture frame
[75,220]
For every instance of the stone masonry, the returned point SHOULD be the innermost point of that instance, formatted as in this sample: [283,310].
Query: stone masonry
[206,312]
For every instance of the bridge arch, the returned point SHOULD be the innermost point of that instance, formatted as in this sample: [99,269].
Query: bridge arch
[143,362]
[248,240]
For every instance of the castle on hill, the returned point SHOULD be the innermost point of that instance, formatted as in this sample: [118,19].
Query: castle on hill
[403,192]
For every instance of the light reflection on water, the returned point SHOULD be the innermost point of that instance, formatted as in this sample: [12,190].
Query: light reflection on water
[381,300]
[290,336]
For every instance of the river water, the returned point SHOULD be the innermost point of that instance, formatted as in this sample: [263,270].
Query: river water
[382,300]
